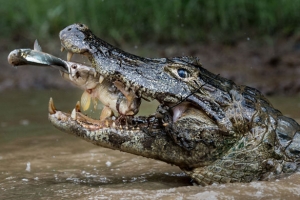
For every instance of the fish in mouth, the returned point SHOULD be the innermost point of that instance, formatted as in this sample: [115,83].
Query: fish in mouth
[113,96]
[213,129]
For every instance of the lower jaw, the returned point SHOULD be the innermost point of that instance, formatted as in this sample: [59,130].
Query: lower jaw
[129,123]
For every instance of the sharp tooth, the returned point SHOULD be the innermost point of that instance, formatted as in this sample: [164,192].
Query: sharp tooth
[114,125]
[62,48]
[106,123]
[165,124]
[127,86]
[69,55]
[51,107]
[73,114]
[77,107]
[101,79]
[85,100]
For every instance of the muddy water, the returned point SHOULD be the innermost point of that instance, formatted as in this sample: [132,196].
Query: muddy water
[39,162]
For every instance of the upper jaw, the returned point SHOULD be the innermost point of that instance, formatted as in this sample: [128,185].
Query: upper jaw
[141,87]
[128,84]
[74,40]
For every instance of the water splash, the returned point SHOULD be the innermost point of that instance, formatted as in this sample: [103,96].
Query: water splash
[28,168]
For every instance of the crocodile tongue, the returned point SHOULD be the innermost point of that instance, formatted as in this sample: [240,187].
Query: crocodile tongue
[179,110]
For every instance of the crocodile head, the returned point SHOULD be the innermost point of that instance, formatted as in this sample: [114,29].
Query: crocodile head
[171,81]
[205,124]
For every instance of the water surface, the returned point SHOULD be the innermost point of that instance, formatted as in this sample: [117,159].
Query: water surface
[38,161]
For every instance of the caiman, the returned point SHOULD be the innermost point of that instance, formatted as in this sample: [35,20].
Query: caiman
[214,130]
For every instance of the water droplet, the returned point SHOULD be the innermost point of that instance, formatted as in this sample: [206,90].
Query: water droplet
[28,167]
[108,163]
[24,122]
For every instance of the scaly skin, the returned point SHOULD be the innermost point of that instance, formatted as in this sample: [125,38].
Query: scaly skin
[213,129]
[225,133]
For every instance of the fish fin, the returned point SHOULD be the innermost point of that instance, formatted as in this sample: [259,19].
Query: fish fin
[106,112]
[36,46]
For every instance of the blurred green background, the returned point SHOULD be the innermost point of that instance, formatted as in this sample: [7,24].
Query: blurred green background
[252,42]
[182,21]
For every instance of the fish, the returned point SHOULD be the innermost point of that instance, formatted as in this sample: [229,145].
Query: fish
[113,95]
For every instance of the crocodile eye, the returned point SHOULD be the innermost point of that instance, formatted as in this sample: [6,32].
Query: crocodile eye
[183,73]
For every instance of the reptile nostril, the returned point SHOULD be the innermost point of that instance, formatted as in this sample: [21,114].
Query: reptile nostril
[69,29]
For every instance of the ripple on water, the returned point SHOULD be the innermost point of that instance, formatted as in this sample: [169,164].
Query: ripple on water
[38,161]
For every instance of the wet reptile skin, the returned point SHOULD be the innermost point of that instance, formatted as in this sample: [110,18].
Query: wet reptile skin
[227,133]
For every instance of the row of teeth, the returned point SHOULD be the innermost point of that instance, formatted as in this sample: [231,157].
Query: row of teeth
[106,123]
